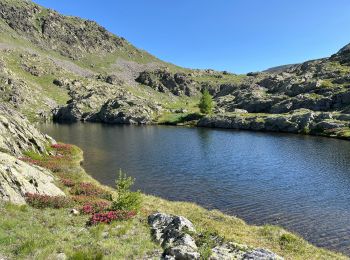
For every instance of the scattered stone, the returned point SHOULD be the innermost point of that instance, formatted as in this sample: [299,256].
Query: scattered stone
[61,256]
[74,212]
[174,234]
[261,254]
[170,232]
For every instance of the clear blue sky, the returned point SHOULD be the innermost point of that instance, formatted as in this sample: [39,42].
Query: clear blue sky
[234,35]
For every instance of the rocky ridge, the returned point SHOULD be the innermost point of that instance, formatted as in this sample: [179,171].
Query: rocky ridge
[70,36]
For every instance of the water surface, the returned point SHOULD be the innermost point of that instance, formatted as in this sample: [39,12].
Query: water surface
[299,182]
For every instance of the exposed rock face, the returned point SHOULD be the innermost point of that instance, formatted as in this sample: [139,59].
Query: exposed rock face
[164,81]
[173,233]
[125,110]
[68,35]
[299,121]
[18,178]
[18,135]
[101,103]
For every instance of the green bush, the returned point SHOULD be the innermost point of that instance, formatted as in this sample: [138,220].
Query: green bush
[206,103]
[126,199]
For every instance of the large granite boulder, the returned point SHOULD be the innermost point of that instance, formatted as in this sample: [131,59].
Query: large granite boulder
[18,135]
[18,178]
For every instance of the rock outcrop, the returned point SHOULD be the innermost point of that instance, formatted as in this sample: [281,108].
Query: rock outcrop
[18,178]
[101,103]
[165,81]
[298,121]
[70,36]
[177,234]
[170,232]
[18,135]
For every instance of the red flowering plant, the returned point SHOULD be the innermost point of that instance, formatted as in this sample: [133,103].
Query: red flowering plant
[67,182]
[46,201]
[47,163]
[54,161]
[95,207]
[90,189]
[110,216]
[63,147]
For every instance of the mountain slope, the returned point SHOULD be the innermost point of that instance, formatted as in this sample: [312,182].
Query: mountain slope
[71,69]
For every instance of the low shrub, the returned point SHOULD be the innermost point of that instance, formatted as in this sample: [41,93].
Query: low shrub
[126,199]
[110,216]
[62,147]
[67,182]
[50,164]
[90,189]
[95,207]
[46,201]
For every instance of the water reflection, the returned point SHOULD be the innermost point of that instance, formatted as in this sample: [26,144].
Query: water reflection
[299,182]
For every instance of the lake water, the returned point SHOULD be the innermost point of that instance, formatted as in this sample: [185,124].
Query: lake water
[301,183]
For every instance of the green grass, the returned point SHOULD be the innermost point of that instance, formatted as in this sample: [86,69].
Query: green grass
[41,87]
[218,78]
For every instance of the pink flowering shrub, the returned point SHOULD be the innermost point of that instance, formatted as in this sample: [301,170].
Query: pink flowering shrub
[46,201]
[67,182]
[50,164]
[62,146]
[110,216]
[90,189]
[95,207]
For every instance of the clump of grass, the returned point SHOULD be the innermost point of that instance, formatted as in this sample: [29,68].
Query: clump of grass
[326,84]
[87,254]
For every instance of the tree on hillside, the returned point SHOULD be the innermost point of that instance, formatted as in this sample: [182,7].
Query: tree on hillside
[206,103]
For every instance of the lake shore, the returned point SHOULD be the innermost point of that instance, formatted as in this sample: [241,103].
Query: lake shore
[66,231]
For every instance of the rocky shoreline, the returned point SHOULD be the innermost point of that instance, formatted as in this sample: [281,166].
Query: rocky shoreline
[303,121]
